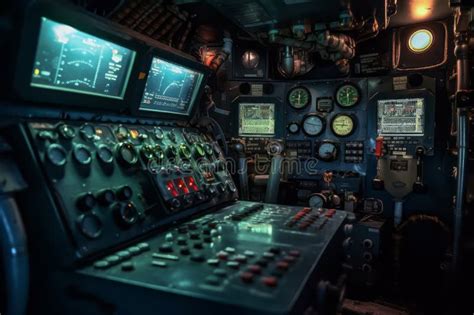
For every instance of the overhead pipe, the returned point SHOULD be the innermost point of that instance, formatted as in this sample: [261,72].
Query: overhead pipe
[461,52]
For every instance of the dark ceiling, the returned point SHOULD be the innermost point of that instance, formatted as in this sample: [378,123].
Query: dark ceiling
[416,11]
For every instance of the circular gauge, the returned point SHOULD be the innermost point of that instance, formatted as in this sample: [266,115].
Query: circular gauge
[87,131]
[327,151]
[299,97]
[250,59]
[159,134]
[105,154]
[127,154]
[122,133]
[313,125]
[293,127]
[82,154]
[66,131]
[343,125]
[56,154]
[347,95]
[317,200]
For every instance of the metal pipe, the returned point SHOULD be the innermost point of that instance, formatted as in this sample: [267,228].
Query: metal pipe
[462,143]
[13,244]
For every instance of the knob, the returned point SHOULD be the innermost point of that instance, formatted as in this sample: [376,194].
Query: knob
[171,135]
[125,193]
[171,151]
[127,154]
[86,201]
[148,152]
[106,197]
[126,214]
[66,131]
[199,196]
[184,151]
[175,203]
[367,243]
[188,199]
[199,150]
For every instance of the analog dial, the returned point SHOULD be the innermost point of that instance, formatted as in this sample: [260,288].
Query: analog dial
[317,201]
[313,125]
[327,151]
[347,95]
[343,125]
[299,97]
[293,127]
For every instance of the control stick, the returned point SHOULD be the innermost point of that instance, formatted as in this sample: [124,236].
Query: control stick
[418,186]
[377,182]
[242,171]
[275,149]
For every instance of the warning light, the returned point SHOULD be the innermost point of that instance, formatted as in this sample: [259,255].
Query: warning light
[181,185]
[134,133]
[172,189]
[37,71]
[192,183]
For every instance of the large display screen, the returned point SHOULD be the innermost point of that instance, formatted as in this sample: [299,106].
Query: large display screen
[401,116]
[170,88]
[73,61]
[256,119]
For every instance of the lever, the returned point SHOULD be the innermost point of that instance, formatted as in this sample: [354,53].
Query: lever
[418,186]
[377,182]
[242,171]
[275,149]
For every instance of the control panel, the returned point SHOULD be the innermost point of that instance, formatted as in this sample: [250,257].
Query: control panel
[113,182]
[326,125]
[269,255]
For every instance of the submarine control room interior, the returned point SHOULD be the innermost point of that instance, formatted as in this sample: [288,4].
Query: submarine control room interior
[259,157]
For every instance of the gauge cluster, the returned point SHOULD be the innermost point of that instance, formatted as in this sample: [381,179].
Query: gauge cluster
[330,118]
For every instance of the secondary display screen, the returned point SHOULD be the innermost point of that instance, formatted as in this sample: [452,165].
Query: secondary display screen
[73,61]
[256,119]
[401,116]
[170,88]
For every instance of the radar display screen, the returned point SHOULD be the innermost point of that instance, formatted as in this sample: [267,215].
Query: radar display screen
[401,116]
[256,119]
[170,88]
[72,61]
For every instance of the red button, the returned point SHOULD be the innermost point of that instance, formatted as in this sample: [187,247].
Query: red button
[289,259]
[282,265]
[294,253]
[246,277]
[270,281]
[254,269]
[222,255]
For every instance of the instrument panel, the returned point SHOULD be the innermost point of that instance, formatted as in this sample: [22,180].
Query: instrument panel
[331,127]
[113,182]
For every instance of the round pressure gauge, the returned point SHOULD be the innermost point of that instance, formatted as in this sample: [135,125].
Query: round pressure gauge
[299,97]
[293,127]
[347,95]
[327,151]
[317,200]
[313,125]
[343,125]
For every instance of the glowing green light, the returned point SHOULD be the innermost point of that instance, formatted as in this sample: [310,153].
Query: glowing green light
[420,41]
